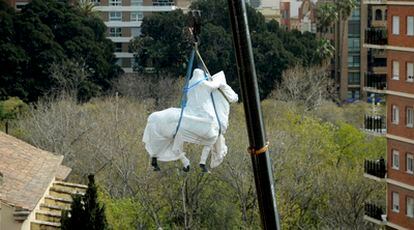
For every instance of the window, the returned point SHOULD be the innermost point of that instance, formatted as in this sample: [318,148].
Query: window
[115,32]
[410,25]
[20,5]
[395,159]
[354,94]
[285,14]
[115,16]
[378,15]
[410,207]
[395,25]
[410,162]
[136,2]
[354,78]
[395,202]
[136,32]
[353,44]
[137,16]
[409,117]
[356,14]
[115,2]
[162,2]
[410,71]
[357,96]
[353,61]
[96,2]
[395,70]
[395,116]
[354,28]
[118,47]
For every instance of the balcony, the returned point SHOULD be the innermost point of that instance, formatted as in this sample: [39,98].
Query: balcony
[374,213]
[377,65]
[376,168]
[379,2]
[376,36]
[375,82]
[375,124]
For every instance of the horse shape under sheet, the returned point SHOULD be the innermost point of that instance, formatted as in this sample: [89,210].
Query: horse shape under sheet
[204,120]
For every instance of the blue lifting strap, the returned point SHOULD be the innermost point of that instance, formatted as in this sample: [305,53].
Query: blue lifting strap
[184,96]
[187,88]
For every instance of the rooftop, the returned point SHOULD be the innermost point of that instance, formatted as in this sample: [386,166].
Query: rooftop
[27,172]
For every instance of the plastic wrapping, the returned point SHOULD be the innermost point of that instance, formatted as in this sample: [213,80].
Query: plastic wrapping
[201,123]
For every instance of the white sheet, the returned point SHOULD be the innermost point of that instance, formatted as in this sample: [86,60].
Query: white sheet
[199,123]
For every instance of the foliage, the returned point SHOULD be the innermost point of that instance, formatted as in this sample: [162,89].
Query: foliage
[11,108]
[47,33]
[327,15]
[317,160]
[165,47]
[85,213]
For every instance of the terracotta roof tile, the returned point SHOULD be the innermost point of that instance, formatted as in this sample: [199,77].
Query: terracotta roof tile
[27,171]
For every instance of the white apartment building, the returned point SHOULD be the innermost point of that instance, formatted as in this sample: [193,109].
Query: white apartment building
[123,19]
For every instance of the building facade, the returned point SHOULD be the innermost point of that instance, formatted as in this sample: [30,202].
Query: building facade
[285,14]
[269,8]
[349,61]
[33,192]
[123,19]
[391,34]
[307,17]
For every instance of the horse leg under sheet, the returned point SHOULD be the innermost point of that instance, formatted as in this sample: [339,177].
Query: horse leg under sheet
[204,154]
[203,158]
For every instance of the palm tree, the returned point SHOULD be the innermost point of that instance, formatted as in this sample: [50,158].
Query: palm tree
[86,7]
[326,16]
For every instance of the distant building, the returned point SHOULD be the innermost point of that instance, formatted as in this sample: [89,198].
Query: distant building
[269,8]
[17,4]
[123,19]
[295,24]
[389,36]
[285,14]
[32,190]
[307,17]
[350,58]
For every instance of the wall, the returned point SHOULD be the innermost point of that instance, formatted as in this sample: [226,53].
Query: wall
[399,129]
[7,221]
[401,85]
[399,218]
[400,174]
[402,39]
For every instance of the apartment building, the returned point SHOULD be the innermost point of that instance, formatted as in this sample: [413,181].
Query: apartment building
[269,8]
[285,14]
[349,61]
[307,17]
[17,4]
[123,19]
[390,34]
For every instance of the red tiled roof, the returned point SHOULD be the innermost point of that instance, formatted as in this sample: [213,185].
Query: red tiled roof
[27,172]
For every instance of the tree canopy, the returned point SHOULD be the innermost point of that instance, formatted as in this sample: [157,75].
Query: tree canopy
[163,46]
[86,212]
[47,33]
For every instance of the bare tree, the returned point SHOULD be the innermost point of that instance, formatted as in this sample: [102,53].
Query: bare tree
[306,86]
[69,75]
[164,91]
